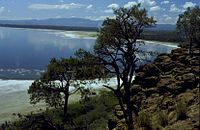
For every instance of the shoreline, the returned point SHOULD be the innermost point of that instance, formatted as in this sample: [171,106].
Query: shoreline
[169,44]
[50,27]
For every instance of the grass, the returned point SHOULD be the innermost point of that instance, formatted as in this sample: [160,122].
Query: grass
[162,118]
[144,120]
[181,110]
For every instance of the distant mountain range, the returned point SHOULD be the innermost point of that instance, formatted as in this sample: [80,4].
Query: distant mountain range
[74,22]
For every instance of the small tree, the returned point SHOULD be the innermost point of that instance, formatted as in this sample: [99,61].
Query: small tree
[117,48]
[188,25]
[53,86]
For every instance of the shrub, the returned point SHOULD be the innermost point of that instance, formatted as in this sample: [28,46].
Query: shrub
[181,110]
[144,120]
[162,118]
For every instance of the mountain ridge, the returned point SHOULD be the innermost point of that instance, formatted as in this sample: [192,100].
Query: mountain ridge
[80,22]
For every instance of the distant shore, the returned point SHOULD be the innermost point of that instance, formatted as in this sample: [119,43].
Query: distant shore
[50,27]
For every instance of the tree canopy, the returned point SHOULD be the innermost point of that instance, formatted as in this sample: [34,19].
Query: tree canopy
[188,25]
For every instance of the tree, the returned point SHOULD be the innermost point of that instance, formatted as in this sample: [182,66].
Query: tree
[117,48]
[53,86]
[188,25]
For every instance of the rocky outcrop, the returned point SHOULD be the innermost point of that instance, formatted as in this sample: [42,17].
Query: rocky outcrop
[175,72]
[161,85]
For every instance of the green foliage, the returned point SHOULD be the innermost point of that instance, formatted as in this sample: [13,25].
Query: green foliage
[96,109]
[144,120]
[88,68]
[181,110]
[188,25]
[91,114]
[162,118]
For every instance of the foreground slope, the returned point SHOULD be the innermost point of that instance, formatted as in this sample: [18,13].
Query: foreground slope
[166,92]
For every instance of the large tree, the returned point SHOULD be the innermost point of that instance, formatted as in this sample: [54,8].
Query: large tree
[188,25]
[117,50]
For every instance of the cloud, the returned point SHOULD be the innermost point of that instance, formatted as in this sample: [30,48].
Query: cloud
[189,4]
[89,6]
[165,2]
[130,4]
[147,2]
[155,8]
[111,6]
[108,11]
[174,9]
[2,9]
[53,7]
[167,18]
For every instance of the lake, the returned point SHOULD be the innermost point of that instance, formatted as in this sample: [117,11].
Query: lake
[24,54]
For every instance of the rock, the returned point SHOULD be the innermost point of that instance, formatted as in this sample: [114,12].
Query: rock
[166,81]
[119,114]
[117,122]
[196,52]
[189,77]
[150,70]
[135,89]
[121,126]
[179,51]
[163,58]
[195,69]
[167,66]
[118,108]
[149,81]
[195,62]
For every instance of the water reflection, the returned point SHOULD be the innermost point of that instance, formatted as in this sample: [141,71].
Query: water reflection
[32,50]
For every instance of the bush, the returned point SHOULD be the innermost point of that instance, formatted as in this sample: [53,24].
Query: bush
[181,110]
[162,118]
[144,120]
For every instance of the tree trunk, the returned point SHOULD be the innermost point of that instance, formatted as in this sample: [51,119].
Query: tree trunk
[130,114]
[129,106]
[190,47]
[66,104]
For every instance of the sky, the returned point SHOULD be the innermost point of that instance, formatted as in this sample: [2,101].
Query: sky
[164,11]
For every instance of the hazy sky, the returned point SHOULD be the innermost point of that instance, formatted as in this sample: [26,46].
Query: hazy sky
[164,11]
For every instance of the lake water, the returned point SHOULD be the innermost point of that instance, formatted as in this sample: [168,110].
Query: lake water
[24,54]
[27,52]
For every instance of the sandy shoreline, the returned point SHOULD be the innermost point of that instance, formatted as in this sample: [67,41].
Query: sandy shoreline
[15,99]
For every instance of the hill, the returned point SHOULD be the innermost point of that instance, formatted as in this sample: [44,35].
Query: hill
[77,22]
[166,92]
[80,22]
